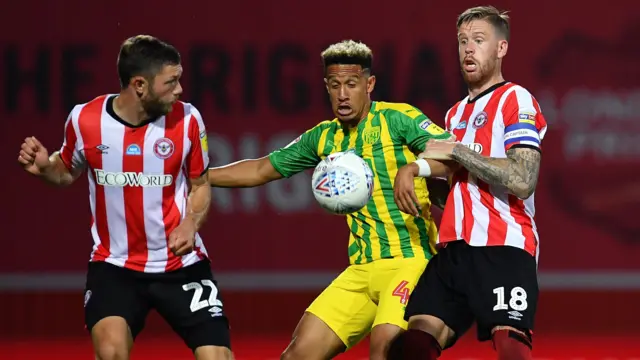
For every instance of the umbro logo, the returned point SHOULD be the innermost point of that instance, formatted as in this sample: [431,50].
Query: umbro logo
[515,315]
[215,311]
[102,148]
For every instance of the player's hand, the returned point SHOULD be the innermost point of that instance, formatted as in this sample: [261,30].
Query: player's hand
[34,157]
[183,238]
[404,192]
[438,149]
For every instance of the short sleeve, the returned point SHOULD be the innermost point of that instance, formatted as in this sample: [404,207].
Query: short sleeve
[415,128]
[299,155]
[198,157]
[447,117]
[71,150]
[524,123]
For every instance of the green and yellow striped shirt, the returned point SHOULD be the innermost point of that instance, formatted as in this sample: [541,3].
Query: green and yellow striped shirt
[387,139]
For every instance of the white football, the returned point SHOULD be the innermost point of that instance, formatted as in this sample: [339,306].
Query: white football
[342,183]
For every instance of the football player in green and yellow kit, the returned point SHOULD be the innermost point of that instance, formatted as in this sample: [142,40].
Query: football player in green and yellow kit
[388,249]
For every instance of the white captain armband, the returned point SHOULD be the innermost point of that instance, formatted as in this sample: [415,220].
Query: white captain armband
[424,170]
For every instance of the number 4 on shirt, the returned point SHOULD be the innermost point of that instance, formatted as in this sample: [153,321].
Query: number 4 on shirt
[402,291]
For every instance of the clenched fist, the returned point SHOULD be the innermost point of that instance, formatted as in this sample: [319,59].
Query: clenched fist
[182,239]
[34,157]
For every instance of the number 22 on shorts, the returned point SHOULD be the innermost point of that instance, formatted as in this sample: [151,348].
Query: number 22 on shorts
[402,291]
[196,303]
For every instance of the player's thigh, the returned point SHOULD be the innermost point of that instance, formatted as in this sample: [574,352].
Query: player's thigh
[435,305]
[114,292]
[345,306]
[393,281]
[190,301]
[505,289]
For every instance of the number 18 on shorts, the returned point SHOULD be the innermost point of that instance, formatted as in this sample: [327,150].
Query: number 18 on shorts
[493,285]
[517,302]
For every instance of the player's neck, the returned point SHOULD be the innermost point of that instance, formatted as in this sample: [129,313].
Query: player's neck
[477,89]
[129,109]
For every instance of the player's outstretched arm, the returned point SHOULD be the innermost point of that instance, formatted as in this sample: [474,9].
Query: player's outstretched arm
[297,156]
[518,172]
[244,173]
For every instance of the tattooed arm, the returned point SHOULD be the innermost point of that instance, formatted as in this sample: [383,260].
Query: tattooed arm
[518,172]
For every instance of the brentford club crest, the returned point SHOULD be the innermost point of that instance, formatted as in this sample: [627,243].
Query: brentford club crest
[163,148]
[480,120]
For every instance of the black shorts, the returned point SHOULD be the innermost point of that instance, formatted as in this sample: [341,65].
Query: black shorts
[493,285]
[188,299]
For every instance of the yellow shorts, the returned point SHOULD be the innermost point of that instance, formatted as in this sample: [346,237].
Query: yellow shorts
[367,295]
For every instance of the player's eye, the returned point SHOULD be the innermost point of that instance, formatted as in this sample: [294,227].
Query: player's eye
[479,41]
[463,41]
[351,84]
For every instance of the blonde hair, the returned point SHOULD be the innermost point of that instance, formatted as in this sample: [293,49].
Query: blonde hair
[348,52]
[499,19]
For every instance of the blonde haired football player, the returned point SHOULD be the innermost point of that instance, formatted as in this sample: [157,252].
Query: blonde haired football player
[387,249]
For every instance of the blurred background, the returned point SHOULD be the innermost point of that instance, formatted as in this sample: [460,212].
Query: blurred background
[253,69]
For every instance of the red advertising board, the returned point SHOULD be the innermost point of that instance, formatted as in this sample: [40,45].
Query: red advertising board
[255,74]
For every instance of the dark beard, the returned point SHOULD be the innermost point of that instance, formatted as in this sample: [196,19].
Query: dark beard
[156,109]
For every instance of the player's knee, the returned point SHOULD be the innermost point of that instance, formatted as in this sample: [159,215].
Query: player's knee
[414,344]
[434,326]
[213,353]
[111,339]
[381,337]
[111,350]
[512,345]
[378,351]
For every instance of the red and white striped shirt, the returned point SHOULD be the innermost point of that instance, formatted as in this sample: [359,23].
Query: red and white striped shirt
[503,117]
[138,181]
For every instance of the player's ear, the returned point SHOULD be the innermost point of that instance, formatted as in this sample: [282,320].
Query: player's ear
[139,84]
[503,46]
[371,83]
[326,84]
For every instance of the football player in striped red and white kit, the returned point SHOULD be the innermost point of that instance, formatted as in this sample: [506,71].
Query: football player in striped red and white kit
[486,268]
[146,158]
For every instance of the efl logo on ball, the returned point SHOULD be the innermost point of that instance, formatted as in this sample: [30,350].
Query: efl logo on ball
[342,183]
